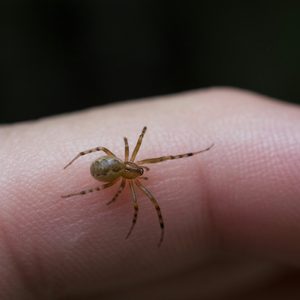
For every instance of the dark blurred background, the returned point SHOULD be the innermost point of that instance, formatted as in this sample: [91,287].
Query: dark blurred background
[64,55]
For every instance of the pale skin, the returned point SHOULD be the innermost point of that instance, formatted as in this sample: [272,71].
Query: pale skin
[111,169]
[232,213]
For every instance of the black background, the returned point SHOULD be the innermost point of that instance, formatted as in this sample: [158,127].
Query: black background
[59,56]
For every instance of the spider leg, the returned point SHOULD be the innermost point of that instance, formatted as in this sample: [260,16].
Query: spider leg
[146,168]
[108,152]
[126,149]
[138,145]
[156,205]
[164,158]
[135,206]
[104,186]
[144,178]
[120,190]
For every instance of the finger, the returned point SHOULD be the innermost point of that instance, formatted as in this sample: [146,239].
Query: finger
[241,195]
[228,279]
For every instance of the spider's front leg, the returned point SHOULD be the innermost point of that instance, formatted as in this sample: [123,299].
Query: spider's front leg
[170,157]
[157,207]
[135,207]
[138,145]
[126,157]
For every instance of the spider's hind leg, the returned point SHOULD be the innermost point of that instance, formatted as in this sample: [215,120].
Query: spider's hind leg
[118,193]
[105,150]
[104,186]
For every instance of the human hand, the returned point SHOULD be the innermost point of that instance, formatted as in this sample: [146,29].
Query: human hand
[231,214]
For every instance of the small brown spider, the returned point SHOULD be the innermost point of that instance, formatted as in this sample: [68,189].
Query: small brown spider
[111,169]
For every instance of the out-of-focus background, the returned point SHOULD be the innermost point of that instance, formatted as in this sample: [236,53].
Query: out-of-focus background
[65,55]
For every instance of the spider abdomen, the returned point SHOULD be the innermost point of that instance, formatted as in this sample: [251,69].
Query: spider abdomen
[107,168]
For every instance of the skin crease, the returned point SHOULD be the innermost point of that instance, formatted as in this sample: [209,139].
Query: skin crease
[231,214]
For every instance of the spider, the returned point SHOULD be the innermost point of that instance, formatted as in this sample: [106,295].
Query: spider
[111,169]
